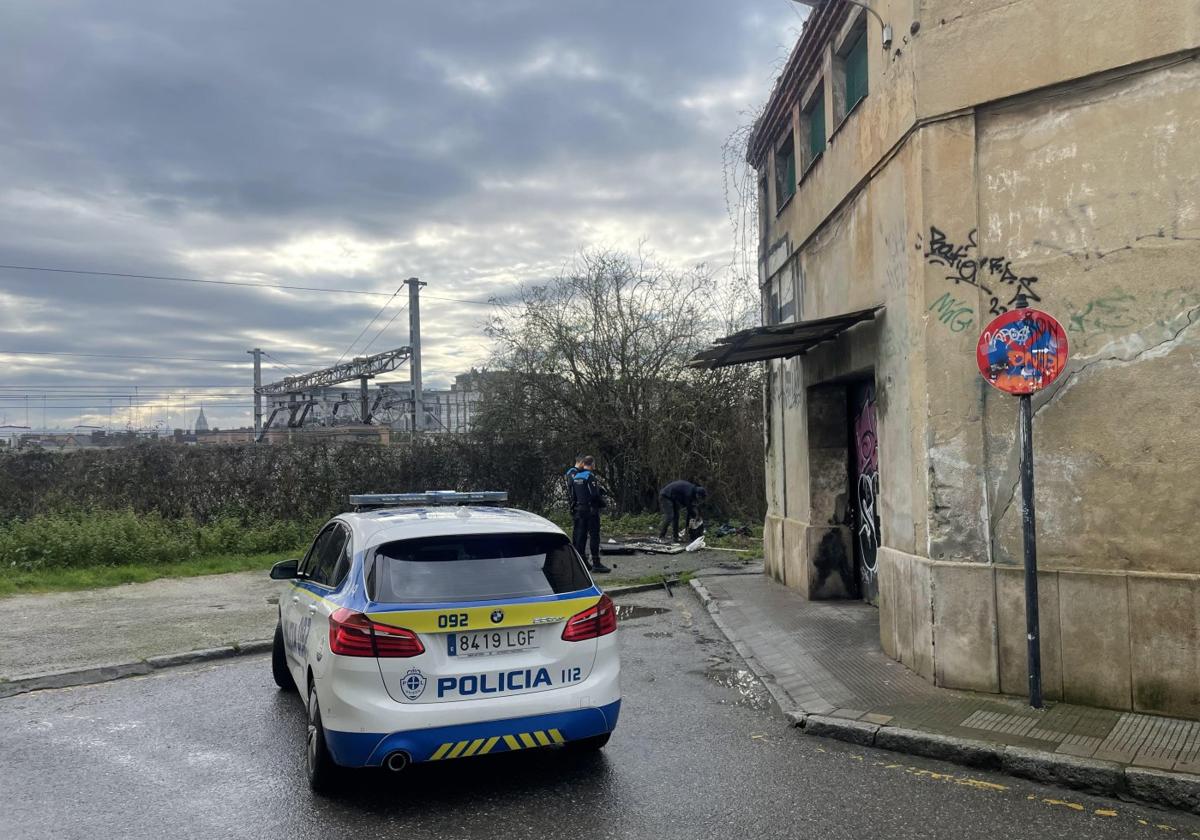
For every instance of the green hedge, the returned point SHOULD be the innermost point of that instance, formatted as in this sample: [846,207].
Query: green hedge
[111,538]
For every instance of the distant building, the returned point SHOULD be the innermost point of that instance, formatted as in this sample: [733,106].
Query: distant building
[448,411]
[201,421]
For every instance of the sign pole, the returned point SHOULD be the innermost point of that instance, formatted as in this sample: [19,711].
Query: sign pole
[1032,625]
[1020,352]
[1029,526]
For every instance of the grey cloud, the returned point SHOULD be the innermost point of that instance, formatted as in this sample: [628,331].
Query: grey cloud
[475,143]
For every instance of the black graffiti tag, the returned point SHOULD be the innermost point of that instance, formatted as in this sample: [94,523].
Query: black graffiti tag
[978,270]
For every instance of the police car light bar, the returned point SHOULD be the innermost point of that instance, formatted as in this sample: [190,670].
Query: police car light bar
[429,497]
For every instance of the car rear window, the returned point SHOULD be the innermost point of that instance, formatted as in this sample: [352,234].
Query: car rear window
[474,568]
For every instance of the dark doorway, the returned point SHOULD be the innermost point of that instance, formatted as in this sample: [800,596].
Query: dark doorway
[864,486]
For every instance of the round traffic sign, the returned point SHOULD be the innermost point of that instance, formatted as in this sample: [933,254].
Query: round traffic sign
[1022,351]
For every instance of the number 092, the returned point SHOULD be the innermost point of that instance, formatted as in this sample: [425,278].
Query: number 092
[452,620]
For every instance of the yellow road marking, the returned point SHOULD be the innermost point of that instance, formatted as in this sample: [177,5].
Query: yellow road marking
[527,740]
[1104,812]
[491,742]
[442,750]
[978,784]
[475,745]
[541,738]
[1074,806]
[557,736]
[512,742]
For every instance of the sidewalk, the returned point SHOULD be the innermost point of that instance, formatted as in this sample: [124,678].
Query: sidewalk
[824,665]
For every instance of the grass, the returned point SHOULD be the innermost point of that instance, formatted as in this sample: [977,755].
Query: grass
[93,549]
[94,577]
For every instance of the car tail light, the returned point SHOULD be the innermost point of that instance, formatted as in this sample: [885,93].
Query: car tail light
[596,621]
[353,634]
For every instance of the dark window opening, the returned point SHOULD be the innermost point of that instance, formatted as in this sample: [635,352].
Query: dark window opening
[785,172]
[814,118]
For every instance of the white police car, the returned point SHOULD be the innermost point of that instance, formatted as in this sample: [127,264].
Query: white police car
[438,631]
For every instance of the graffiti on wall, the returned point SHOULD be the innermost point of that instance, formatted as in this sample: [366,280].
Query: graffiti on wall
[1111,312]
[956,314]
[994,276]
[866,486]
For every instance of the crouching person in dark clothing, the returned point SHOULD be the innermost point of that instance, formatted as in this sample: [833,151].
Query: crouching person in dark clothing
[586,503]
[676,496]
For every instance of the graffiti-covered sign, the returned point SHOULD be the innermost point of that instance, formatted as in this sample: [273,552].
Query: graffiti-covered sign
[1022,351]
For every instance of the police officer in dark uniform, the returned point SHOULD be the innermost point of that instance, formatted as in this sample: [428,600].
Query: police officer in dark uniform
[586,502]
[568,478]
[674,497]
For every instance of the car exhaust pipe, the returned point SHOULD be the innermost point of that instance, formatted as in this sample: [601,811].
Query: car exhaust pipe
[396,762]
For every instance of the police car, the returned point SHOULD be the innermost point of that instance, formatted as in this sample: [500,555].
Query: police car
[432,627]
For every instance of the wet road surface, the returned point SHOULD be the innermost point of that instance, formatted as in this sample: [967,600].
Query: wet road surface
[215,751]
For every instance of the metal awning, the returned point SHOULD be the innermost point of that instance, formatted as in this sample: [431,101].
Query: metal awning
[779,341]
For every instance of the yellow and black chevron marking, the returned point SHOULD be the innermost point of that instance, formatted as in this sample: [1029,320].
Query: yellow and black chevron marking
[483,746]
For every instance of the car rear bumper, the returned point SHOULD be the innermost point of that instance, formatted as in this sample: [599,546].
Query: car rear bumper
[363,723]
[440,743]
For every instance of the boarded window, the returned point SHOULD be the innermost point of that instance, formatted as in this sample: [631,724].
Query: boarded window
[856,72]
[785,172]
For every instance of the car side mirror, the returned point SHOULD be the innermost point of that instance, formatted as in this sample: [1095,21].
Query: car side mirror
[285,570]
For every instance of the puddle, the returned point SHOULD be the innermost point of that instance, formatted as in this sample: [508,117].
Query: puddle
[751,693]
[632,612]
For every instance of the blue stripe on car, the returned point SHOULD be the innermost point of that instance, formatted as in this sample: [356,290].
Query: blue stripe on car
[368,749]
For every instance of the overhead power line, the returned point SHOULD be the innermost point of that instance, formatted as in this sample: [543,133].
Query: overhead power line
[384,329]
[241,283]
[122,386]
[161,277]
[386,304]
[130,356]
[140,406]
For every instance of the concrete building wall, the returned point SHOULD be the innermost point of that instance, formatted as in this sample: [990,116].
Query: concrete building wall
[1055,155]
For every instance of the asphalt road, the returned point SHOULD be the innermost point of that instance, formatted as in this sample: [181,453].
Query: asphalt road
[215,751]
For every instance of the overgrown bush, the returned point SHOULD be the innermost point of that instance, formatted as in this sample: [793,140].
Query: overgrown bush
[299,482]
[110,538]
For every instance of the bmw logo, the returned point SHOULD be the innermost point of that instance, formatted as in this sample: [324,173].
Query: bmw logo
[497,616]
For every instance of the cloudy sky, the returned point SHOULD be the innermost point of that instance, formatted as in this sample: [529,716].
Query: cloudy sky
[477,144]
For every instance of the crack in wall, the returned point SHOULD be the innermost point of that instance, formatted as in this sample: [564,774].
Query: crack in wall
[1011,478]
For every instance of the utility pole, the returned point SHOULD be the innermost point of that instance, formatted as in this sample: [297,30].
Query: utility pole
[366,410]
[257,354]
[414,332]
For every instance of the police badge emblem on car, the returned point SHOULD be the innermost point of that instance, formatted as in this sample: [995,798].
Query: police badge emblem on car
[413,684]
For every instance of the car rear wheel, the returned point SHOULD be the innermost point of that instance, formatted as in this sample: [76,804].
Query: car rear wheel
[279,667]
[596,742]
[318,763]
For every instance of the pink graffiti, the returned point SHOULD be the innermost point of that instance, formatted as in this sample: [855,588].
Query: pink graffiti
[866,438]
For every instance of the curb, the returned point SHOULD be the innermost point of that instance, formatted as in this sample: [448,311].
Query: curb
[108,673]
[781,698]
[1180,791]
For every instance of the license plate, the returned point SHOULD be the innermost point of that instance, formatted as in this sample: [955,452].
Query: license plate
[485,642]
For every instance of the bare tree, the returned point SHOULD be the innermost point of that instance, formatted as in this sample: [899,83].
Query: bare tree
[596,360]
